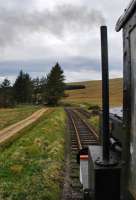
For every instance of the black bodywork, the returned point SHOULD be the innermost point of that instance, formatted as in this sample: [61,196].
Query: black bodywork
[127,22]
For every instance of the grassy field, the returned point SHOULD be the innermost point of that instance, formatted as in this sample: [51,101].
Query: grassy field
[13,115]
[92,93]
[31,167]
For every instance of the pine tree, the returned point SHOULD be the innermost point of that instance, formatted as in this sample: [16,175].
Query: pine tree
[43,82]
[6,96]
[39,86]
[6,83]
[54,85]
[23,88]
[36,89]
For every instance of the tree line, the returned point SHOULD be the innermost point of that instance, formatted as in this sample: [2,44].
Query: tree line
[25,90]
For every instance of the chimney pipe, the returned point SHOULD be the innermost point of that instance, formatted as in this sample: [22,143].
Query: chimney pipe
[105,93]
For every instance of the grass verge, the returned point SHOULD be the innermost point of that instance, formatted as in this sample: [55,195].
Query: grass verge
[30,167]
[95,122]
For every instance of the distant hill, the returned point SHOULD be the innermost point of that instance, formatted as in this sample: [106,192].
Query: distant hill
[92,92]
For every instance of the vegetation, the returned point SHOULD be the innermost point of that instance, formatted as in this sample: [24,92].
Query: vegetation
[92,93]
[39,86]
[55,85]
[30,168]
[10,116]
[23,88]
[94,121]
[48,89]
[6,94]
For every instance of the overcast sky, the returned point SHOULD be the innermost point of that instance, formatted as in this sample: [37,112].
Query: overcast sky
[35,34]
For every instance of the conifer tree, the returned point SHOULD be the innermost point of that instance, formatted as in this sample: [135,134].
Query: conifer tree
[6,98]
[54,90]
[39,86]
[23,88]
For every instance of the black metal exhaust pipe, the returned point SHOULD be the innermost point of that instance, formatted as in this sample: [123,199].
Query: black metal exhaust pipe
[104,164]
[105,93]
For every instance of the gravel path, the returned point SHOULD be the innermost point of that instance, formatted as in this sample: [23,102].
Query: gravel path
[13,130]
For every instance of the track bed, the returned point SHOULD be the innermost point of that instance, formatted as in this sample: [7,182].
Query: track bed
[81,135]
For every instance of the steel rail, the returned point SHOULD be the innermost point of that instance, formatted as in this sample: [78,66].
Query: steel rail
[77,134]
[81,142]
[86,124]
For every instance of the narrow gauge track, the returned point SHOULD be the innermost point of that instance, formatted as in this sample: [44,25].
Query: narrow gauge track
[84,112]
[82,134]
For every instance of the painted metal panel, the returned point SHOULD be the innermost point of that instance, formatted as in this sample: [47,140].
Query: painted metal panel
[132,177]
[84,173]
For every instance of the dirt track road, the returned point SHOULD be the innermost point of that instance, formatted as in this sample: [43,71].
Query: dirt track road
[13,130]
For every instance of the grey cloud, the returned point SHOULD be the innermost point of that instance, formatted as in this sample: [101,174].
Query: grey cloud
[17,4]
[67,63]
[35,65]
[16,24]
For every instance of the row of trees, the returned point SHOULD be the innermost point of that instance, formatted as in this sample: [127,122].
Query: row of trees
[48,89]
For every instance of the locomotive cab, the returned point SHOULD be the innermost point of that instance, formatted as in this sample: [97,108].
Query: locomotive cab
[127,22]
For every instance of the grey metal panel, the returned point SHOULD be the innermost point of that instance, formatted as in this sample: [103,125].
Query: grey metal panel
[126,15]
[128,22]
[132,174]
[127,28]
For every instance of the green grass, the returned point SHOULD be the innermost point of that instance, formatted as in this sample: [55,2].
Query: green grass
[92,93]
[13,115]
[30,167]
[94,121]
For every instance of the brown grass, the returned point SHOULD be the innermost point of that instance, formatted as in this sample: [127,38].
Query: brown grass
[92,93]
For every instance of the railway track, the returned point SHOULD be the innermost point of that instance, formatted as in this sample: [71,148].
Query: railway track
[81,135]
[84,112]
